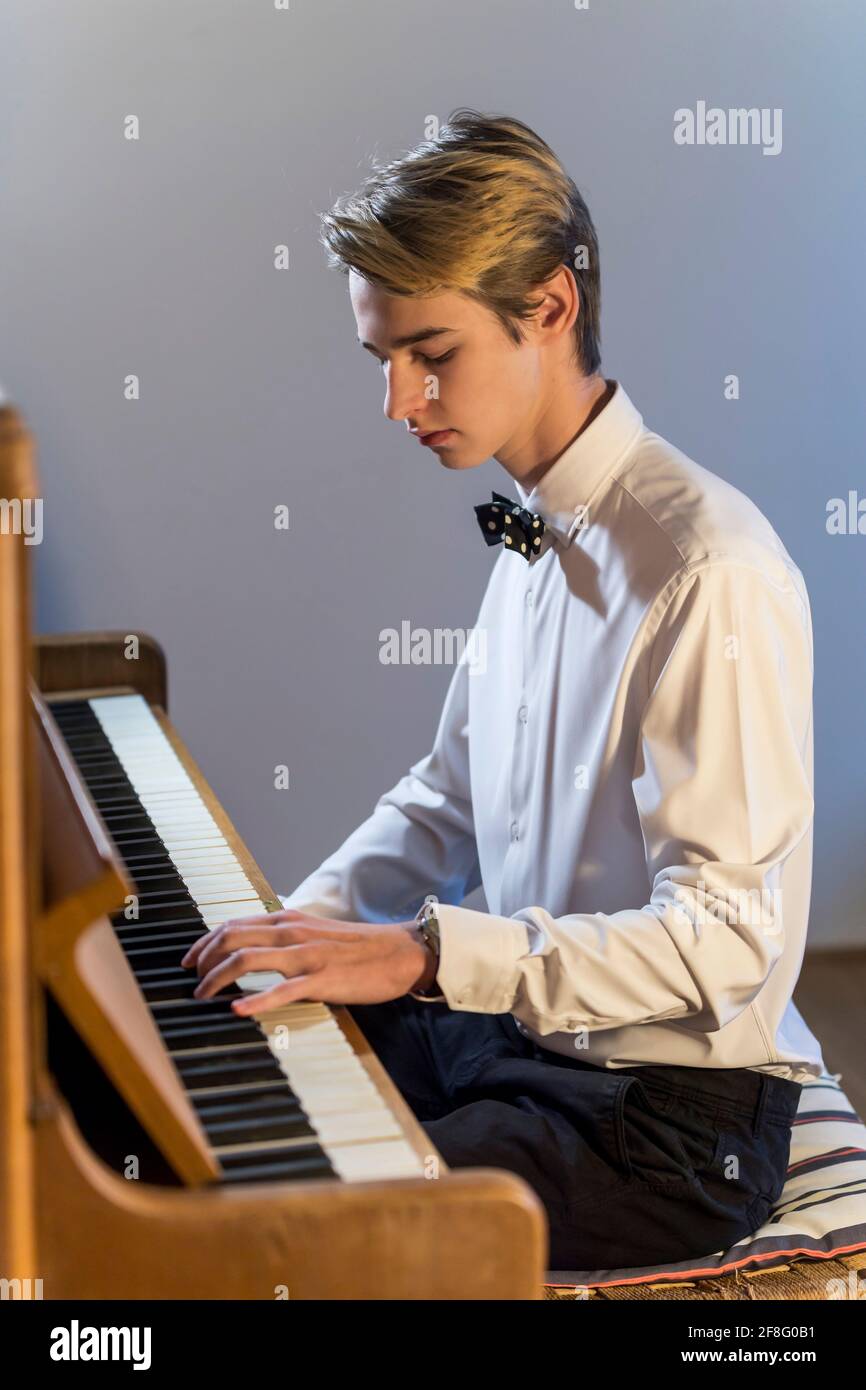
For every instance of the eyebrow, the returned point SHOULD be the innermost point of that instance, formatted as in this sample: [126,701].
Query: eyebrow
[410,338]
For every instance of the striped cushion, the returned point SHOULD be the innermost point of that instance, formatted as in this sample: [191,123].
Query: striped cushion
[821,1211]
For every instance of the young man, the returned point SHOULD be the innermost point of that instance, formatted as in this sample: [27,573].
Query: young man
[629,775]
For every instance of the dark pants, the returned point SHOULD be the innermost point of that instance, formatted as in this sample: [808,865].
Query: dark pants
[635,1166]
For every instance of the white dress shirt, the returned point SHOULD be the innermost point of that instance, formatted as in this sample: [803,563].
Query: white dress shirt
[627,771]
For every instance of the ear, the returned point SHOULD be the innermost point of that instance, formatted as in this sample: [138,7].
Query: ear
[561,306]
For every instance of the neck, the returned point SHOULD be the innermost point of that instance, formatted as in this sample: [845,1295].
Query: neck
[564,417]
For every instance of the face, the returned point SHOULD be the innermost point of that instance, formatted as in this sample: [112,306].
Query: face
[460,372]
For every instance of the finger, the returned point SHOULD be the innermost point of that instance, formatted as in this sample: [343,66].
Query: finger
[213,942]
[204,942]
[305,922]
[253,920]
[227,938]
[286,934]
[286,916]
[287,992]
[288,960]
[257,918]
[197,947]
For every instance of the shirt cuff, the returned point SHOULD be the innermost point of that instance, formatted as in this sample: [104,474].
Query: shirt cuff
[478,959]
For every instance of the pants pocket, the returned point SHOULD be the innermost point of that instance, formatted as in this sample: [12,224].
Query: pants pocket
[755,1166]
[664,1143]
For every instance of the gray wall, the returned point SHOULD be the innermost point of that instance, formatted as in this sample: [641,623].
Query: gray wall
[155,257]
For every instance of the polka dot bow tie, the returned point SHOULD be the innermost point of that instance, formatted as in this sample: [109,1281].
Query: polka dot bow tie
[505,520]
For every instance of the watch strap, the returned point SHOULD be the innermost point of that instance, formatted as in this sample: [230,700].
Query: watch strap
[428,923]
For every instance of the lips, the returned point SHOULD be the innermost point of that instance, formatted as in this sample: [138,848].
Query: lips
[434,437]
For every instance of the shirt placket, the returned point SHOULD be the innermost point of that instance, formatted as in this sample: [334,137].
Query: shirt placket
[518,789]
[515,869]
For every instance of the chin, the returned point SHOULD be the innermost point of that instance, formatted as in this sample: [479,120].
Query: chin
[459,459]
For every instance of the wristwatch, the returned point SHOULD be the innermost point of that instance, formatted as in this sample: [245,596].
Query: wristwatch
[428,924]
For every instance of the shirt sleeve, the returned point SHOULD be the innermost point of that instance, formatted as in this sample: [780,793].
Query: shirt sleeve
[723,788]
[419,839]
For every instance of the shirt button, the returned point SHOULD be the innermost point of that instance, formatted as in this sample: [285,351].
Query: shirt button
[514,828]
[522,713]
[529,599]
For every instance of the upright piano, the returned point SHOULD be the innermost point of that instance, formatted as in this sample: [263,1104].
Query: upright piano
[153,1145]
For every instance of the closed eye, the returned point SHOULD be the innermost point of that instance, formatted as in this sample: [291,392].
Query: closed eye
[444,358]
[432,361]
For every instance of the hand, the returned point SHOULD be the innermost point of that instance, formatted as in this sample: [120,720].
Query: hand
[332,962]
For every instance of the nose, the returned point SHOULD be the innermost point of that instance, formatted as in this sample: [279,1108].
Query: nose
[404,394]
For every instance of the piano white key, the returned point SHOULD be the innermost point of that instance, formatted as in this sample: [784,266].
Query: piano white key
[216,915]
[369,1162]
[182,842]
[205,859]
[181,813]
[213,898]
[214,882]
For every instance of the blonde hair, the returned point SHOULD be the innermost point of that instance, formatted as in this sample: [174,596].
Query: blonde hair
[485,208]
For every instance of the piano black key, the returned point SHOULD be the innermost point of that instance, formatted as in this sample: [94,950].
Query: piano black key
[228,1068]
[309,1161]
[143,958]
[162,895]
[258,1129]
[182,940]
[125,843]
[125,819]
[72,722]
[94,758]
[108,792]
[175,910]
[249,1107]
[173,985]
[214,1032]
[175,895]
[154,930]
[199,1008]
[120,802]
[96,763]
[156,912]
[99,762]
[157,880]
[245,1099]
[132,842]
[109,805]
[187,923]
[149,975]
[100,792]
[149,859]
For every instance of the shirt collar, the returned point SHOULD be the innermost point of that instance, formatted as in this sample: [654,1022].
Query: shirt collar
[561,496]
